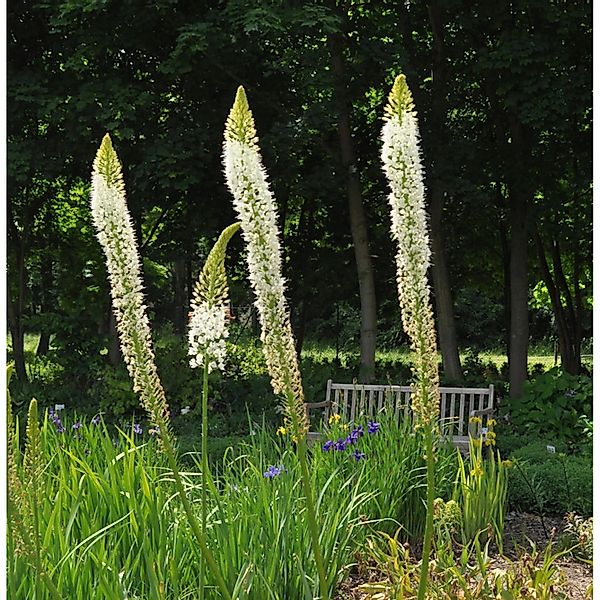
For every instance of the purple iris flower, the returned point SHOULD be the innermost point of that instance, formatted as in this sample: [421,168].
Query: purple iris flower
[77,425]
[340,445]
[137,428]
[273,471]
[372,427]
[60,428]
[358,455]
[96,420]
[327,446]
[355,435]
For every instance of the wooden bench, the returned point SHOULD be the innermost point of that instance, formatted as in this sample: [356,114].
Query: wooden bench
[457,405]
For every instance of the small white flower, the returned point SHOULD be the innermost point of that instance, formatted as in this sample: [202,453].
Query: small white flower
[185,410]
[207,330]
[207,333]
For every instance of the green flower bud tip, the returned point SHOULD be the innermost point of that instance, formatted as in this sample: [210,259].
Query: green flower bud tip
[400,99]
[107,163]
[240,122]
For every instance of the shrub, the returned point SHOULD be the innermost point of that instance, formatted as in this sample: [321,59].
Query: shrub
[551,405]
[550,483]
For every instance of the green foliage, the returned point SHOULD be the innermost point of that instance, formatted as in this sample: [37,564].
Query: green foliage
[480,492]
[479,319]
[114,392]
[579,536]
[550,483]
[109,500]
[469,574]
[393,469]
[551,406]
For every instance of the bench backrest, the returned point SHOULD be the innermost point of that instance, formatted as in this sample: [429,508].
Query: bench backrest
[351,401]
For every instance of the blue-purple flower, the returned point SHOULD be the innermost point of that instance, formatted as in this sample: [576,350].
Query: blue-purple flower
[372,427]
[273,471]
[60,428]
[137,429]
[340,445]
[355,435]
[96,420]
[357,455]
[77,426]
[327,446]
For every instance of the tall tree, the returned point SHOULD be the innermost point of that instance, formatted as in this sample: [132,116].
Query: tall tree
[358,221]
[441,278]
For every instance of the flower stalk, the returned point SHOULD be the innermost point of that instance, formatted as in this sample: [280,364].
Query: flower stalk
[115,233]
[24,495]
[255,206]
[207,334]
[401,159]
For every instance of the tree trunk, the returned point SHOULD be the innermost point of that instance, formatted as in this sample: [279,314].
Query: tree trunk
[564,337]
[573,365]
[443,296]
[578,333]
[16,305]
[358,222]
[506,293]
[519,309]
[17,334]
[441,280]
[46,304]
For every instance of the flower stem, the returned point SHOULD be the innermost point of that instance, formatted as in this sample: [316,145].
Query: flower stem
[204,461]
[206,553]
[429,518]
[312,519]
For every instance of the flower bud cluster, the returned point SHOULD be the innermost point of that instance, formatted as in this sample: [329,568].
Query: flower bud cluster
[207,333]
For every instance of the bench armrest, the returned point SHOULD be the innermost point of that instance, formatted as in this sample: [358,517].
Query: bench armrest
[475,428]
[483,412]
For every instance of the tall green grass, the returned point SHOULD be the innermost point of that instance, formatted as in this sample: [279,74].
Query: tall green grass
[112,524]
[394,468]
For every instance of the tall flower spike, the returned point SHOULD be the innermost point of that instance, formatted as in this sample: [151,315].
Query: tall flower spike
[402,165]
[115,233]
[208,319]
[255,206]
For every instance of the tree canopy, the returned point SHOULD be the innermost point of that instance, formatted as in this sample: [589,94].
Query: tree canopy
[503,94]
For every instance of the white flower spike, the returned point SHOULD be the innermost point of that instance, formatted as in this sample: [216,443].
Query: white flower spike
[402,164]
[114,230]
[255,206]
